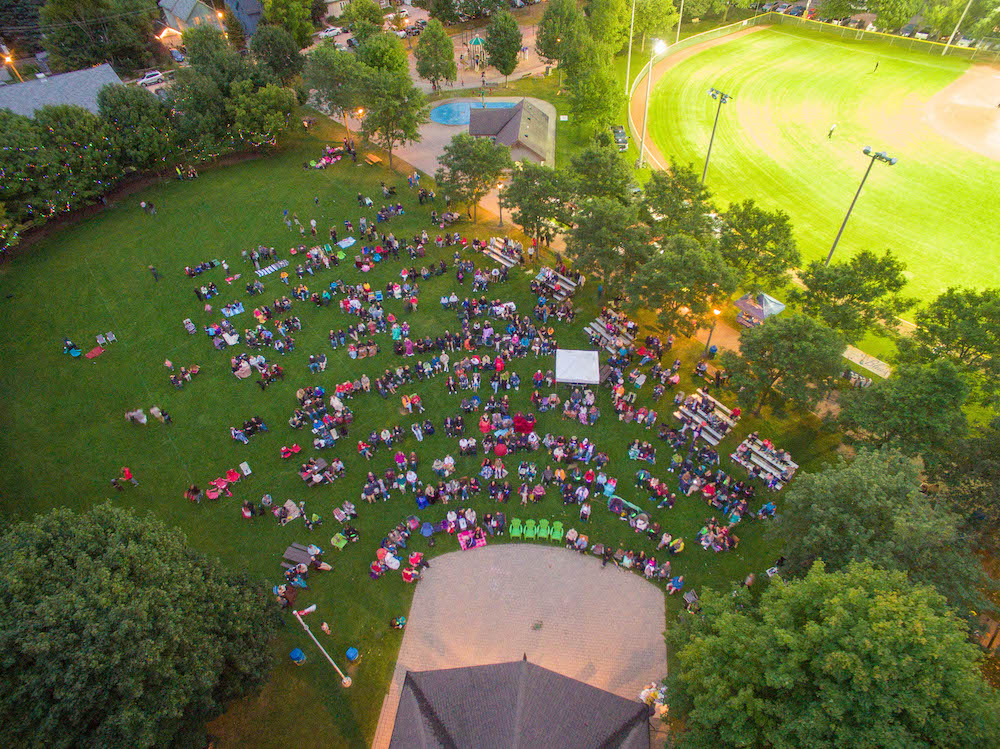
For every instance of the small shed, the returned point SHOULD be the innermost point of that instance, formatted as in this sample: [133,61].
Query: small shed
[753,311]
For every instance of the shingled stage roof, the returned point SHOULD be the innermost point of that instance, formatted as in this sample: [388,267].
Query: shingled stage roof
[514,705]
[79,87]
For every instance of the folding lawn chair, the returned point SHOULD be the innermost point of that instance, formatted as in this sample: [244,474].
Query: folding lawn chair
[530,530]
[339,541]
[556,533]
[245,467]
[516,529]
[543,529]
[110,337]
[101,340]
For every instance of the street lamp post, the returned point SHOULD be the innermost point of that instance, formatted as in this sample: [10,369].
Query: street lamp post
[875,156]
[8,59]
[715,320]
[679,17]
[628,60]
[499,204]
[723,99]
[658,47]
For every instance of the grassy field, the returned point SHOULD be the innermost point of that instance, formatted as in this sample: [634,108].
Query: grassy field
[790,86]
[64,435]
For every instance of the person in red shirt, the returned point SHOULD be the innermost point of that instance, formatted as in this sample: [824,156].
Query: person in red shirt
[409,575]
[417,560]
[127,475]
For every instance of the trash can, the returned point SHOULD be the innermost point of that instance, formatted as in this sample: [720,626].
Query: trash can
[298,657]
[352,654]
[712,351]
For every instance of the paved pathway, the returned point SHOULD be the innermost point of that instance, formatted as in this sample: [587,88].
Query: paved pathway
[602,626]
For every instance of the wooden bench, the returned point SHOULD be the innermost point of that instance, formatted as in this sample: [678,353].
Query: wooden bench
[597,331]
[499,257]
[298,554]
[371,159]
[758,446]
[707,433]
[605,373]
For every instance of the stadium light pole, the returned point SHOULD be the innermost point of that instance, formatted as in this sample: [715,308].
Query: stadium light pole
[658,47]
[875,156]
[723,99]
[955,30]
[628,62]
[679,17]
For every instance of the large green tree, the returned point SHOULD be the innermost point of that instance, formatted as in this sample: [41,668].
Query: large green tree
[503,42]
[654,18]
[446,11]
[435,55]
[962,325]
[81,33]
[140,130]
[803,354]
[968,480]
[394,109]
[235,33]
[534,194]
[556,31]
[608,21]
[20,21]
[25,189]
[336,78]
[259,115]
[682,283]
[758,244]
[115,632]
[276,49]
[598,171]
[470,167]
[595,93]
[383,51]
[919,409]
[871,509]
[85,166]
[609,241]
[366,17]
[859,658]
[981,19]
[855,297]
[676,202]
[294,16]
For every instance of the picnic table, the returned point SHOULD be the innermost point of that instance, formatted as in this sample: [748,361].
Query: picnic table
[371,159]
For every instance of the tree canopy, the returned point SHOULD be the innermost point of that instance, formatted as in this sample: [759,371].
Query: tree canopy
[682,282]
[470,168]
[534,194]
[115,632]
[676,202]
[857,658]
[804,354]
[969,484]
[608,21]
[259,115]
[394,109]
[758,244]
[294,16]
[278,51]
[560,23]
[961,325]
[82,33]
[919,409]
[140,130]
[335,76]
[599,172]
[503,42]
[871,509]
[435,55]
[365,15]
[857,296]
[609,241]
[381,51]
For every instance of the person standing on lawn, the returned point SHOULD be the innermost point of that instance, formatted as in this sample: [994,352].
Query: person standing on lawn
[127,476]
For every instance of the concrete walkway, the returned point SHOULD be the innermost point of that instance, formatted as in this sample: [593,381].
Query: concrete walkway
[490,605]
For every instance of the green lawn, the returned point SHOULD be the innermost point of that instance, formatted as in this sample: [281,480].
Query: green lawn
[934,208]
[64,435]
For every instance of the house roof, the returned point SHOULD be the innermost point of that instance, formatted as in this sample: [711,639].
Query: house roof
[79,87]
[180,8]
[523,124]
[515,705]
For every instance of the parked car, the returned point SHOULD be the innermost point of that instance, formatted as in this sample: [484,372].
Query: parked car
[414,30]
[767,7]
[908,30]
[922,34]
[620,134]
[151,78]
[812,13]
[353,43]
[331,32]
[797,11]
[177,55]
[782,7]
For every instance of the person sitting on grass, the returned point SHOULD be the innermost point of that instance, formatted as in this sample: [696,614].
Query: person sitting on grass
[675,584]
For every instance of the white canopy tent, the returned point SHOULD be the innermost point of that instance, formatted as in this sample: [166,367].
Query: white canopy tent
[575,367]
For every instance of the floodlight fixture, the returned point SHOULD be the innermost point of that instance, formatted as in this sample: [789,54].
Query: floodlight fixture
[874,156]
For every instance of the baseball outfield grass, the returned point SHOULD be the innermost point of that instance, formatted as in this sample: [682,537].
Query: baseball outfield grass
[935,208]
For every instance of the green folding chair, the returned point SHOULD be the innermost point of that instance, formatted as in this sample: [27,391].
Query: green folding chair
[556,533]
[543,529]
[530,531]
[515,529]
